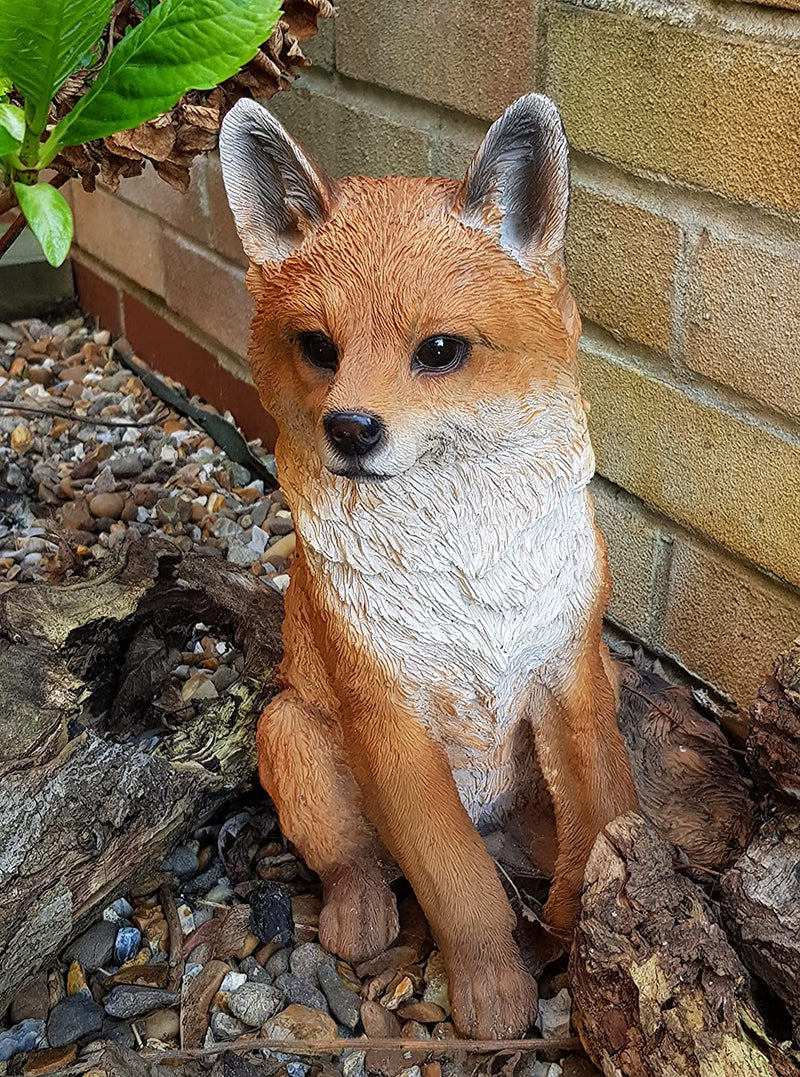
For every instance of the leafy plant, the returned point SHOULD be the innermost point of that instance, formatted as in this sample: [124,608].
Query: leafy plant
[180,45]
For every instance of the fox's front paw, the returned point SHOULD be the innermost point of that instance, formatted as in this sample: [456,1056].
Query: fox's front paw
[359,917]
[494,1001]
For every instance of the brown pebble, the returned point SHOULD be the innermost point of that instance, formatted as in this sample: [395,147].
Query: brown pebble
[75,516]
[426,1012]
[73,373]
[129,509]
[51,1060]
[110,505]
[85,468]
[40,375]
[431,1069]
[265,952]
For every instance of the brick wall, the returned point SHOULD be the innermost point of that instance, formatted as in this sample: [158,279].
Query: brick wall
[684,252]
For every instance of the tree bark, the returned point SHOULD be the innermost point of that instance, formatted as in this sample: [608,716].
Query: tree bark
[658,988]
[85,806]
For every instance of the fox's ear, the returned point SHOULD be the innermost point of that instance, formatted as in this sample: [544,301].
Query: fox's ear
[517,186]
[276,194]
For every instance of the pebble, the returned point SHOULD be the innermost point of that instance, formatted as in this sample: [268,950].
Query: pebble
[253,971]
[271,913]
[300,1023]
[299,990]
[72,1018]
[129,1000]
[21,1038]
[107,505]
[128,942]
[436,986]
[163,1025]
[199,687]
[94,948]
[226,1027]
[554,1014]
[32,1002]
[182,862]
[345,1005]
[233,980]
[254,1003]
[307,959]
[426,1012]
[278,963]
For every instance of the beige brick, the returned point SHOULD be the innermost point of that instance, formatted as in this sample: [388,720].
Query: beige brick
[475,57]
[744,313]
[209,293]
[731,480]
[182,210]
[622,262]
[319,49]
[224,237]
[633,545]
[125,238]
[719,113]
[347,139]
[726,621]
[454,145]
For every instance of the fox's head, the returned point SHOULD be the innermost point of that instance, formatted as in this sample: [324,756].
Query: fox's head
[400,322]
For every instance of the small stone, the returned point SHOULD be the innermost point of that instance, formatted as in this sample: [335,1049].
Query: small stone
[305,913]
[76,980]
[281,523]
[233,980]
[399,991]
[21,1038]
[94,948]
[414,1030]
[224,677]
[253,971]
[297,989]
[345,1005]
[128,1000]
[182,862]
[127,944]
[554,1014]
[199,686]
[277,964]
[379,1023]
[127,466]
[75,516]
[107,505]
[72,1018]
[162,1025]
[436,985]
[32,1002]
[51,1060]
[254,1003]
[271,913]
[226,1027]
[307,959]
[300,1023]
[426,1012]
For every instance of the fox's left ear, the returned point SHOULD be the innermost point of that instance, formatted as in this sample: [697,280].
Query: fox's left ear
[517,187]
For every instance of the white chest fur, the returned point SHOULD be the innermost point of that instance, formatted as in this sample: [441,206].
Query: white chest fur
[462,581]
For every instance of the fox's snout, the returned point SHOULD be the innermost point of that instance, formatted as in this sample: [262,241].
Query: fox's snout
[353,434]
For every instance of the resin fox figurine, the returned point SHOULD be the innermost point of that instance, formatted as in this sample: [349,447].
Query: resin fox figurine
[415,340]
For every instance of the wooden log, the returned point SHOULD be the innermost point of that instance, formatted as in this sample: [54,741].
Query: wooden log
[85,806]
[658,988]
[773,746]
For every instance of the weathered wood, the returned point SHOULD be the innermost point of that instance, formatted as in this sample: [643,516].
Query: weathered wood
[658,989]
[773,747]
[84,807]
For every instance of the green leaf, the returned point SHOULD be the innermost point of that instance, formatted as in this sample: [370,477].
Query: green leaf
[6,86]
[49,218]
[181,45]
[41,44]
[12,128]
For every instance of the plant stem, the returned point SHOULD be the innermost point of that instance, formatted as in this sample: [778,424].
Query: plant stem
[17,226]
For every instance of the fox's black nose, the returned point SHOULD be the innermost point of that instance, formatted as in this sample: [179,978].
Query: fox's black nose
[353,433]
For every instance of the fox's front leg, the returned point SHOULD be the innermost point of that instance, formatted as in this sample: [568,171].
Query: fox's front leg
[586,768]
[413,799]
[301,766]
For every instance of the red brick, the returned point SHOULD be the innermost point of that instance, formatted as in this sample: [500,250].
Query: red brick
[96,296]
[209,293]
[171,352]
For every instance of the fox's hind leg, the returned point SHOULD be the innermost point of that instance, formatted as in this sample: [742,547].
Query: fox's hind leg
[303,769]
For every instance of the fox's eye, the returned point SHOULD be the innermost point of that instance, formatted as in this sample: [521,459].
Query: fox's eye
[318,350]
[440,354]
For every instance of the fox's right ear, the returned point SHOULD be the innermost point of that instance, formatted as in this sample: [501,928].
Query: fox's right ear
[276,194]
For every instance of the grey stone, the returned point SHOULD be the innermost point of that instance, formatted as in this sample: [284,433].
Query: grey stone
[278,963]
[129,1000]
[73,1017]
[181,862]
[254,972]
[226,1027]
[255,1003]
[301,992]
[345,1005]
[94,948]
[307,959]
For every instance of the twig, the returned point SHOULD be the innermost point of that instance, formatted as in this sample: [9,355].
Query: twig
[175,937]
[86,420]
[17,226]
[333,1047]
